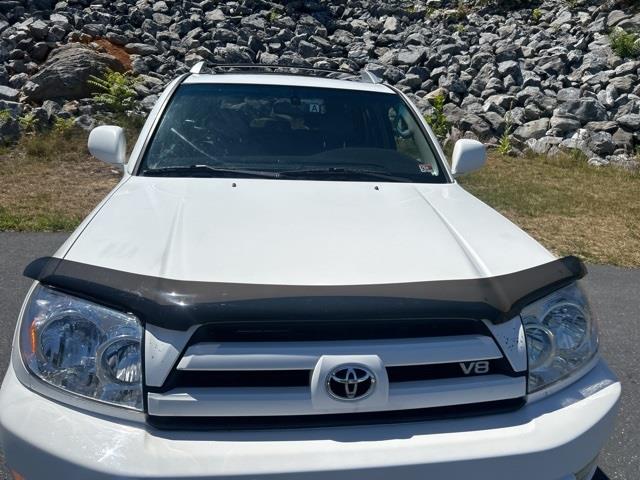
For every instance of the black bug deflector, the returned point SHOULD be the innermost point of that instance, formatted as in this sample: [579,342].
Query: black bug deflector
[177,304]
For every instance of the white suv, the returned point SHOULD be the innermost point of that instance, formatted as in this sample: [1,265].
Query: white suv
[289,283]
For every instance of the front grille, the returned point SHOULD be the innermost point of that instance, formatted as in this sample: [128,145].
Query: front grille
[256,376]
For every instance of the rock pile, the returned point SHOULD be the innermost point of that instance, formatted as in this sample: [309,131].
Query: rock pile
[544,73]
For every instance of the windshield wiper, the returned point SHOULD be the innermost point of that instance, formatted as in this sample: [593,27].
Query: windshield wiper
[207,170]
[345,171]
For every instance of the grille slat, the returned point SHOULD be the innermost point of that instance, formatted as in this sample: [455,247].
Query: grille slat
[293,401]
[244,356]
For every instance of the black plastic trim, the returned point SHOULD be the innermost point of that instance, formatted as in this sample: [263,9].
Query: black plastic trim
[178,305]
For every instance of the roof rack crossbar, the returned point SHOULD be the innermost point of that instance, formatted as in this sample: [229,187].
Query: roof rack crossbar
[364,76]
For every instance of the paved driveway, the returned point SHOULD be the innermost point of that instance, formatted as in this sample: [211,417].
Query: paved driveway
[615,294]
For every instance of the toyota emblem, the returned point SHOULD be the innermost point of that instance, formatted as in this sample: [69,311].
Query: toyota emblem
[350,382]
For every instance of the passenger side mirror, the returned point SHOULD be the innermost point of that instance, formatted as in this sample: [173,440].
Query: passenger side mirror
[108,143]
[468,155]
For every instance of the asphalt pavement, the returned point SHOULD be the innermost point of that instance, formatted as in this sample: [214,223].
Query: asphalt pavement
[614,292]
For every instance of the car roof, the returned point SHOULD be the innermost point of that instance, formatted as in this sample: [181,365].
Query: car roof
[286,80]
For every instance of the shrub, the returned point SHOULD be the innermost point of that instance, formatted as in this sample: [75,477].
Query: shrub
[623,43]
[536,15]
[438,120]
[63,127]
[115,90]
[273,16]
[5,115]
[29,123]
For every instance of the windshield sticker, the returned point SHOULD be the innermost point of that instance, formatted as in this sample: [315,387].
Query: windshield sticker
[425,167]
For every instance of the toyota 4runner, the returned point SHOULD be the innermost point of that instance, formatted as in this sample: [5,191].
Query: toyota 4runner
[289,283]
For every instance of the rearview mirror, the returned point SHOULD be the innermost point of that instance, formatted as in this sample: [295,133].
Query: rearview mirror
[468,155]
[107,143]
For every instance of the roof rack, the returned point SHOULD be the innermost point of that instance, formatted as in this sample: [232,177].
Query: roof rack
[364,76]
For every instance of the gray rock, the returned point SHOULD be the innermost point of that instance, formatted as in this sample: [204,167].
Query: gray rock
[543,145]
[630,122]
[535,129]
[51,108]
[528,93]
[498,122]
[584,109]
[568,94]
[85,122]
[391,25]
[66,71]
[475,124]
[39,51]
[253,21]
[627,68]
[615,17]
[215,16]
[59,20]
[622,139]
[503,102]
[566,123]
[601,143]
[9,129]
[7,93]
[141,49]
[148,102]
[606,126]
[509,67]
[562,18]
[308,49]
[410,57]
[624,84]
[39,30]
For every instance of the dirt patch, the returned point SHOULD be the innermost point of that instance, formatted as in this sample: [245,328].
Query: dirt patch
[115,51]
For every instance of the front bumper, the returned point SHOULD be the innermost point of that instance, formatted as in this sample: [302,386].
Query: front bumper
[550,439]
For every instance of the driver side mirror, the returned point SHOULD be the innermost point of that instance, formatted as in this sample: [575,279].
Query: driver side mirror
[468,156]
[108,143]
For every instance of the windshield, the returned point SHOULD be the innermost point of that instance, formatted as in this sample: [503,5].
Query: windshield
[289,132]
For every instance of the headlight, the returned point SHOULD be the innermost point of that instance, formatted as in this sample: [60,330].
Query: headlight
[561,336]
[83,348]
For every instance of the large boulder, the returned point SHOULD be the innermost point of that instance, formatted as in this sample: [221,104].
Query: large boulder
[65,73]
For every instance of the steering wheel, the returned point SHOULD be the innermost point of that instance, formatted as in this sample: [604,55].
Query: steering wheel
[402,128]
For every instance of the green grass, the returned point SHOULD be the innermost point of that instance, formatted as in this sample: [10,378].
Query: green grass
[569,206]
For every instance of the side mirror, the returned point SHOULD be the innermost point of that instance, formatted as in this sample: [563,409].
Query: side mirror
[468,155]
[107,143]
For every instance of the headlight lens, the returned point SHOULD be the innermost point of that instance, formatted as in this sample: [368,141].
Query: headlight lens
[561,336]
[83,348]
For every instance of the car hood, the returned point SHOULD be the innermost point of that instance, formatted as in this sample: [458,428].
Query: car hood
[286,232]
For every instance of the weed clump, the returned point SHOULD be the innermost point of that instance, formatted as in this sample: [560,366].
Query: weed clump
[438,120]
[115,90]
[625,44]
